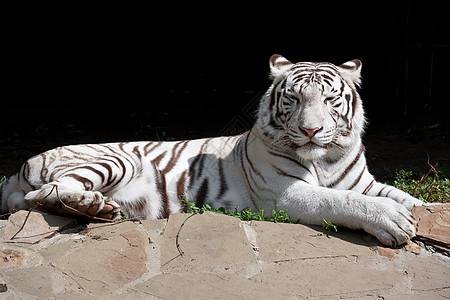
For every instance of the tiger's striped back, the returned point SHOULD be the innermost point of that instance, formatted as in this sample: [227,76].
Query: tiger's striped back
[146,178]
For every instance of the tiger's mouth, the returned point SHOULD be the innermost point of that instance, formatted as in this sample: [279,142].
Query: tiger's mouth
[311,150]
[313,145]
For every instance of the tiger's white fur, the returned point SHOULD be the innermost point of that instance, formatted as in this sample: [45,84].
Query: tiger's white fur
[304,155]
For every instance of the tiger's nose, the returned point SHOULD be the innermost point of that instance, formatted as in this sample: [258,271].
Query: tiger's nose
[310,132]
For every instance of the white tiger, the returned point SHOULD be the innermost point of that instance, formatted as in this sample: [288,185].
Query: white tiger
[304,155]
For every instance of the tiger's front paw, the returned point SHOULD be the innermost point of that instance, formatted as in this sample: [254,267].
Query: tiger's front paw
[93,204]
[90,203]
[391,223]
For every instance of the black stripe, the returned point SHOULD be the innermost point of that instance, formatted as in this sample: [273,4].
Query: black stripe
[174,157]
[181,184]
[241,150]
[109,169]
[195,171]
[223,182]
[123,169]
[121,156]
[348,169]
[252,167]
[358,179]
[341,91]
[98,172]
[354,100]
[121,146]
[345,117]
[202,193]
[87,183]
[78,155]
[392,189]
[283,84]
[274,103]
[299,76]
[44,169]
[327,79]
[369,187]
[136,152]
[25,175]
[290,159]
[325,66]
[249,185]
[160,181]
[158,159]
[379,193]
[273,97]
[283,173]
[150,147]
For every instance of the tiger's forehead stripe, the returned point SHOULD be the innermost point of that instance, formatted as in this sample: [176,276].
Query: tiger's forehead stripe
[324,69]
[314,72]
[315,67]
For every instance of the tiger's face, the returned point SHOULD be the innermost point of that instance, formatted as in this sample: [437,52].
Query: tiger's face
[313,108]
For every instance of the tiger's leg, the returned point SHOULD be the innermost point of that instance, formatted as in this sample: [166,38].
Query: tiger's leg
[390,222]
[75,199]
[378,189]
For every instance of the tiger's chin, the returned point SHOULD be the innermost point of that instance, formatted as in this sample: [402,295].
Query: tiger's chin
[311,151]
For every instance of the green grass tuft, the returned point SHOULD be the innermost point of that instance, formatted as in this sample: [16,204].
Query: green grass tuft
[327,225]
[278,216]
[431,187]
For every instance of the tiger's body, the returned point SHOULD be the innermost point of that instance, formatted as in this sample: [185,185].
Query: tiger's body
[304,155]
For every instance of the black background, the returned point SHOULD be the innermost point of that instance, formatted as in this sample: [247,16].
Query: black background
[121,70]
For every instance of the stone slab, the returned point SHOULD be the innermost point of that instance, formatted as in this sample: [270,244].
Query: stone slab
[194,285]
[207,240]
[223,258]
[108,257]
[33,281]
[325,277]
[32,228]
[283,242]
[428,274]
[433,226]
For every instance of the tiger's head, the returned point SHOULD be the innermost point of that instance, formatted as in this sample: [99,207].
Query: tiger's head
[312,108]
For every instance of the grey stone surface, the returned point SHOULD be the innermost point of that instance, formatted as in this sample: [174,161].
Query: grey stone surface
[222,258]
[206,241]
[33,227]
[433,226]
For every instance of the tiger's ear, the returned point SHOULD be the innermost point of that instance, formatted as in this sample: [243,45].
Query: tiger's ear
[351,71]
[278,66]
